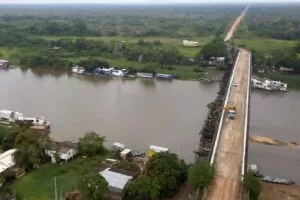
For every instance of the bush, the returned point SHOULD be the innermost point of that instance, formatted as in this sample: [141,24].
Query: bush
[199,70]
[130,166]
[253,185]
[200,174]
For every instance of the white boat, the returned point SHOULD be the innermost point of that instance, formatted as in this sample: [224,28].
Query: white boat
[78,70]
[38,123]
[269,85]
[145,75]
[119,73]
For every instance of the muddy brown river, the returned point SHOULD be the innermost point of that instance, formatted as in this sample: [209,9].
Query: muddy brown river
[139,113]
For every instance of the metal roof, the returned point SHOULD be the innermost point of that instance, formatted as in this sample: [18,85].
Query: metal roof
[115,179]
[7,159]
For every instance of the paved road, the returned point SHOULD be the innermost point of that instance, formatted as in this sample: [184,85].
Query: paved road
[229,154]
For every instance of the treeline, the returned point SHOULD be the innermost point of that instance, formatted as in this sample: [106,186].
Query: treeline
[278,58]
[280,22]
[184,21]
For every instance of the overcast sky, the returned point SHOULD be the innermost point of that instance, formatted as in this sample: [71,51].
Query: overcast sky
[135,1]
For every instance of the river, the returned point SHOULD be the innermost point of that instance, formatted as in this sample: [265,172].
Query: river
[276,115]
[137,112]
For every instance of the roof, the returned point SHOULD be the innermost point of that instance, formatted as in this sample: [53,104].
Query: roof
[158,149]
[125,151]
[62,147]
[7,159]
[115,179]
[3,60]
[119,145]
[6,111]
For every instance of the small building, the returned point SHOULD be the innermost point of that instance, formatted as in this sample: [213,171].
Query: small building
[118,146]
[7,160]
[65,150]
[126,153]
[4,64]
[190,43]
[116,181]
[7,163]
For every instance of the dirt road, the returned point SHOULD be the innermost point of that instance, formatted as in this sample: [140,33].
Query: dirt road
[234,26]
[229,154]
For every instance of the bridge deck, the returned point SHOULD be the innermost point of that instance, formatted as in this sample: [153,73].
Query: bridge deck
[228,161]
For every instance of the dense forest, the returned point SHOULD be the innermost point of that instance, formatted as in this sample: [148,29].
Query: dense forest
[275,21]
[176,21]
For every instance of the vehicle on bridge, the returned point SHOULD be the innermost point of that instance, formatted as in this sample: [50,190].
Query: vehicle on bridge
[231,112]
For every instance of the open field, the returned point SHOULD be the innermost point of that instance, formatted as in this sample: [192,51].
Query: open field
[265,44]
[165,41]
[39,184]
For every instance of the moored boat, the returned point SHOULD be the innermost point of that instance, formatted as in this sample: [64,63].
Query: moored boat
[78,70]
[269,85]
[145,75]
[165,76]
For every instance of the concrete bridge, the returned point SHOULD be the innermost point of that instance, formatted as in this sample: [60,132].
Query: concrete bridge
[229,155]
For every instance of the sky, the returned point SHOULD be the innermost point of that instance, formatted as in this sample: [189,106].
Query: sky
[135,1]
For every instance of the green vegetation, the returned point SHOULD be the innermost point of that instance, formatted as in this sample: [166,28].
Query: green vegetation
[91,144]
[143,38]
[127,165]
[143,188]
[93,187]
[39,184]
[272,33]
[253,185]
[167,171]
[200,174]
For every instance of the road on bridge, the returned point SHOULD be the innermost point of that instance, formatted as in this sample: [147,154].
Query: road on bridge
[229,153]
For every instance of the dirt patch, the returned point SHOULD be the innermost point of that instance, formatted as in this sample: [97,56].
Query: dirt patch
[271,141]
[279,192]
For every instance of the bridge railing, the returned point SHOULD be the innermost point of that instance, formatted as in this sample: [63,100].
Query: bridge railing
[223,112]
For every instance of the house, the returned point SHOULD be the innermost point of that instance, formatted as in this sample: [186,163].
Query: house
[126,153]
[65,150]
[285,69]
[7,162]
[117,146]
[190,43]
[4,64]
[116,181]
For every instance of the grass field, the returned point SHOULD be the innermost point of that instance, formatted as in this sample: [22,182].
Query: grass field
[265,45]
[39,184]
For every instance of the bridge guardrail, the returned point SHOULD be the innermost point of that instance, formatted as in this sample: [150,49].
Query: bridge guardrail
[223,112]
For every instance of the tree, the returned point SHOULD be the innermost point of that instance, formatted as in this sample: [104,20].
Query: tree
[200,174]
[253,185]
[91,144]
[31,148]
[142,188]
[168,172]
[93,187]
